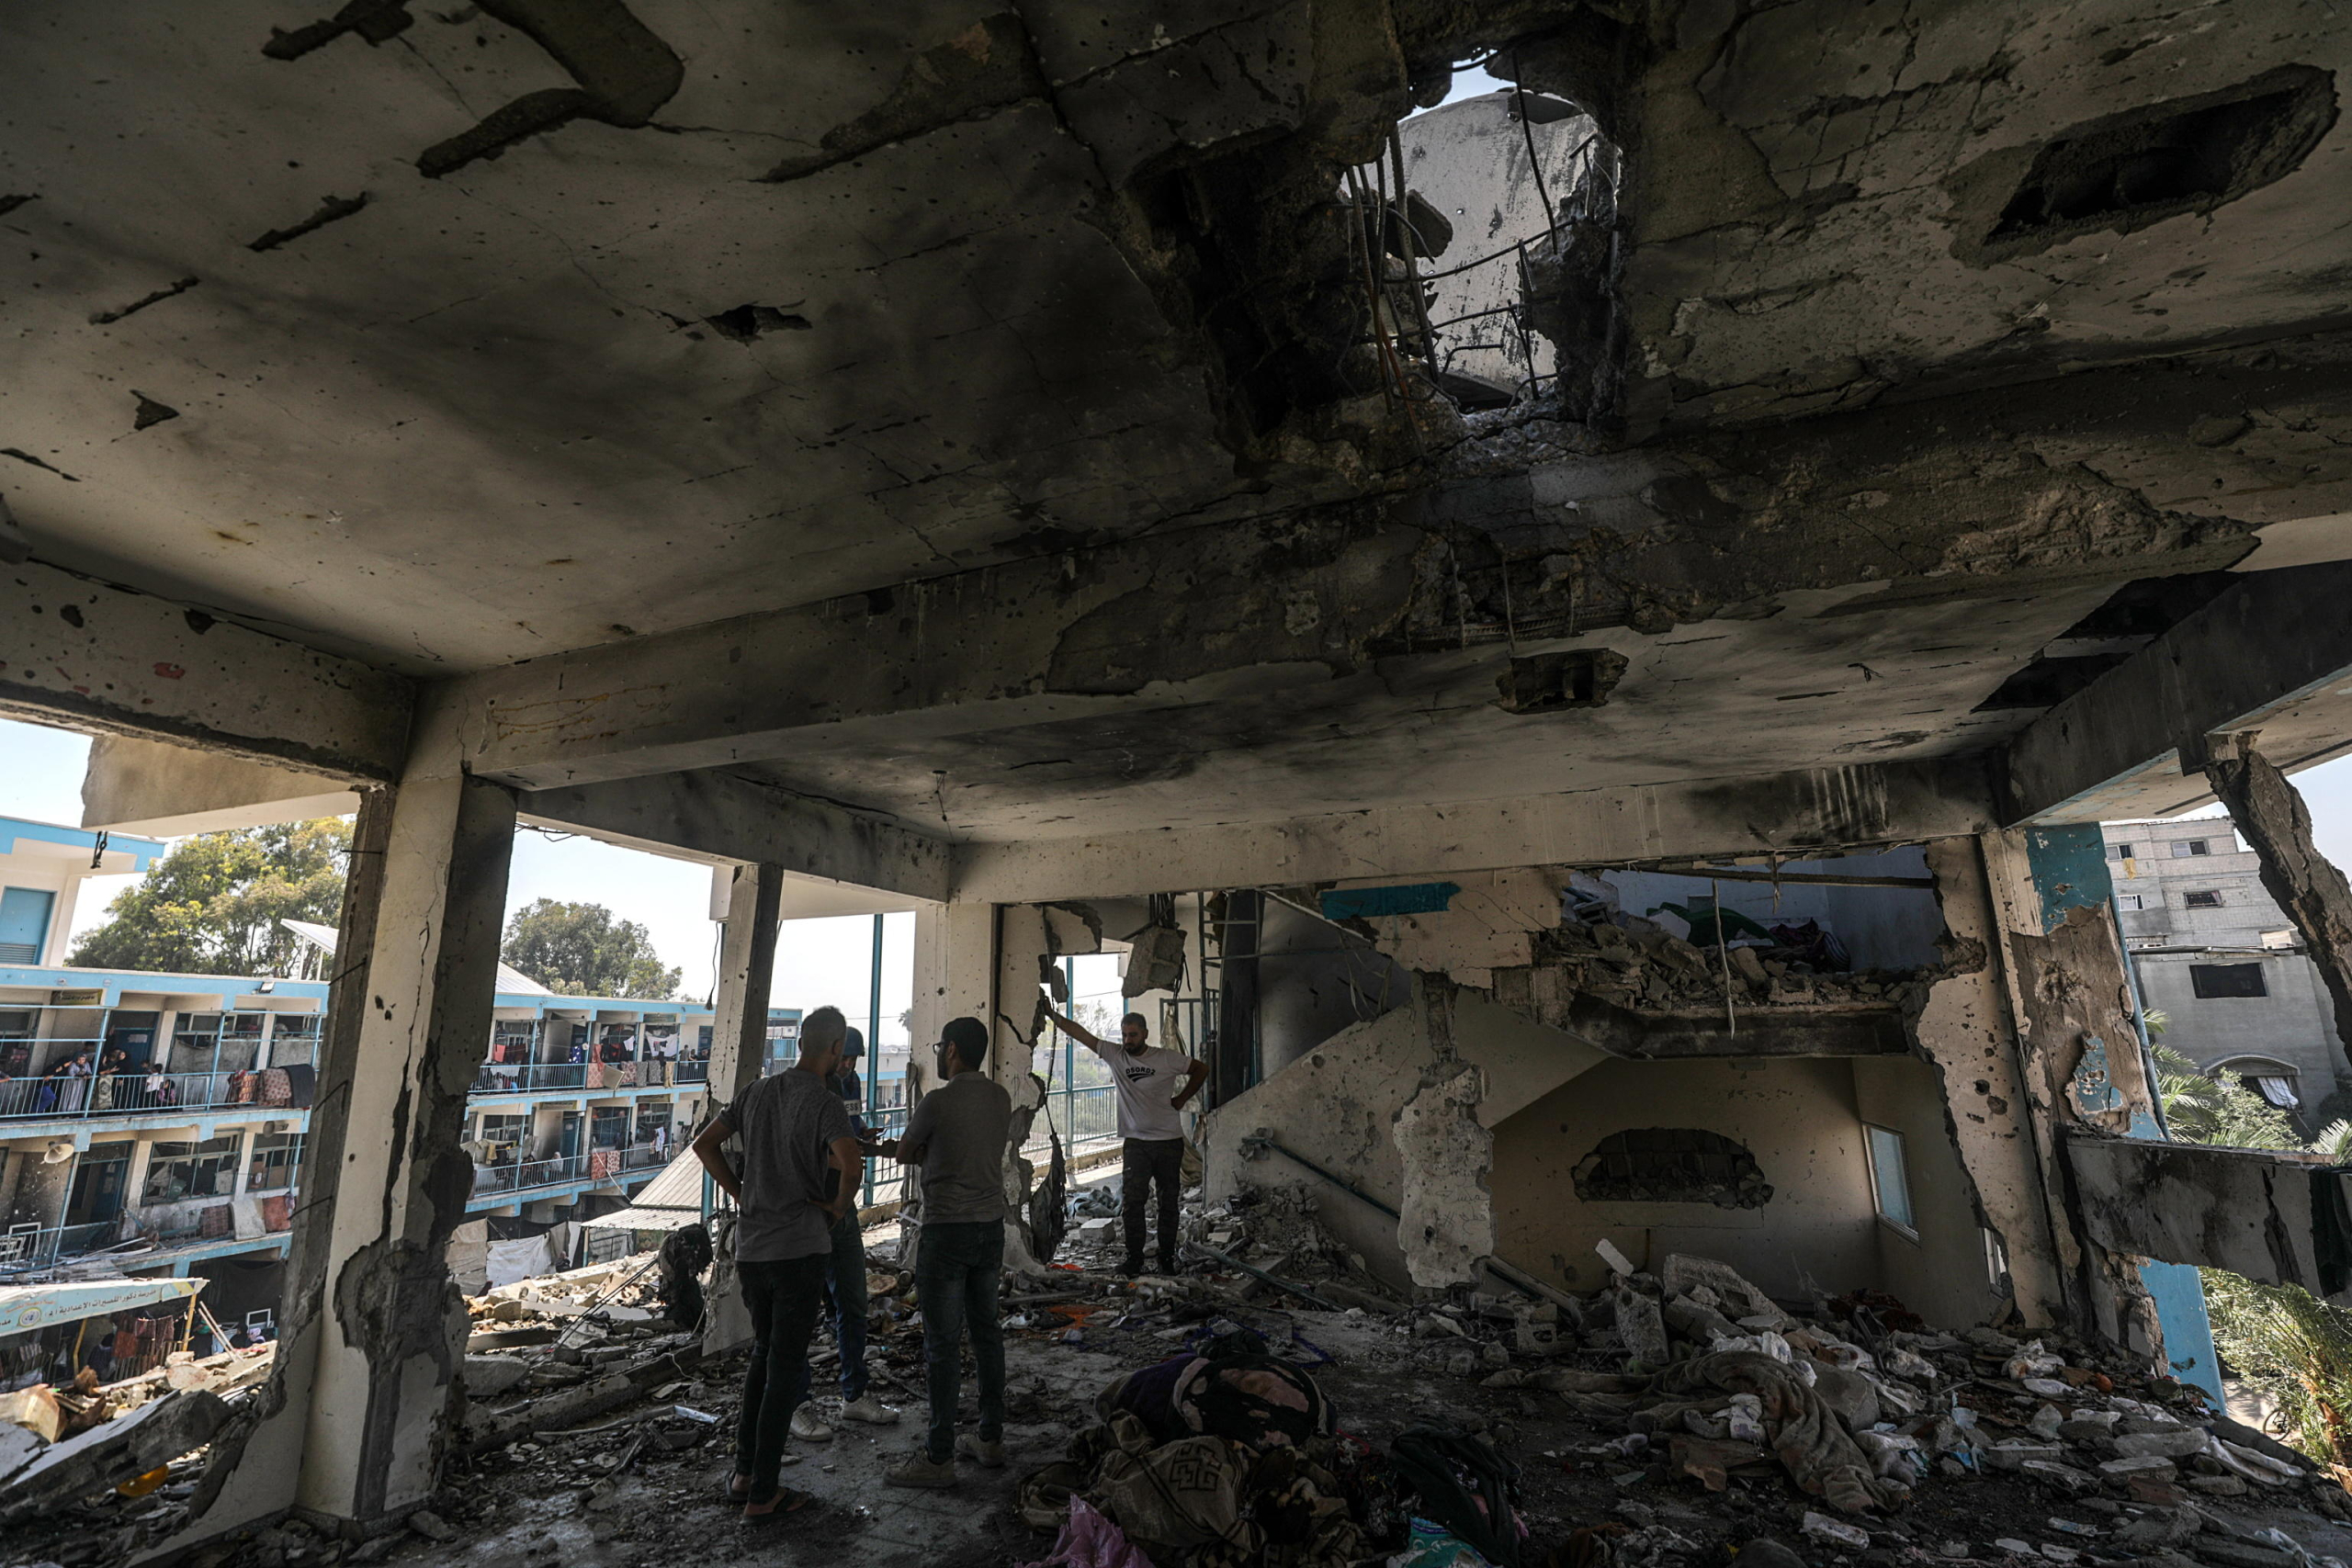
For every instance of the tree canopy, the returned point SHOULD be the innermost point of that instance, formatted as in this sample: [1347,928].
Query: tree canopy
[212,906]
[579,950]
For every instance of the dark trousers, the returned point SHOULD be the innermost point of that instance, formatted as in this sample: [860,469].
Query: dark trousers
[1146,1162]
[846,1285]
[784,1300]
[957,1271]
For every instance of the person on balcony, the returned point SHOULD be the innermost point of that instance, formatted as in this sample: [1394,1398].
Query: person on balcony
[845,1273]
[796,1137]
[957,1135]
[1152,1103]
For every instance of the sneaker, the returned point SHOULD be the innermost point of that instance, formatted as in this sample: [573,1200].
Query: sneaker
[870,1410]
[916,1470]
[974,1447]
[810,1426]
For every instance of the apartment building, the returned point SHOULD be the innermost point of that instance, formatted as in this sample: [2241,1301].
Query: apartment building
[2224,965]
[181,1159]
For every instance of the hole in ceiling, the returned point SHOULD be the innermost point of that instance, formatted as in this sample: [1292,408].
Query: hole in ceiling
[2132,169]
[1490,225]
[745,322]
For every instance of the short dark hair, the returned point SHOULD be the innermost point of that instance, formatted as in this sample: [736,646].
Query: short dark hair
[821,1030]
[1136,1018]
[969,1038]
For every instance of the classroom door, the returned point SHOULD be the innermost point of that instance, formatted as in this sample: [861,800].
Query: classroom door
[24,923]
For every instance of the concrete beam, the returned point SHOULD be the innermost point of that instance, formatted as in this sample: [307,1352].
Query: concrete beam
[2273,654]
[2068,486]
[151,786]
[90,655]
[1814,809]
[716,815]
[2247,1210]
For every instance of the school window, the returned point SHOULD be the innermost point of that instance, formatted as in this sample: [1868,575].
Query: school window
[191,1171]
[2131,901]
[2184,848]
[2119,852]
[1890,1181]
[2201,900]
[277,1158]
[2227,980]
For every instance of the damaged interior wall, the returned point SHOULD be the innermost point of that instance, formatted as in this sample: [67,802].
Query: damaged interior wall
[1338,1106]
[1802,1122]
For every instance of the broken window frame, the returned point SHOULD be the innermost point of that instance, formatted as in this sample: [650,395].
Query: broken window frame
[1890,1167]
[2201,899]
[2201,975]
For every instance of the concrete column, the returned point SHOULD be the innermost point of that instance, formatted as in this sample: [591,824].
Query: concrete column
[739,1035]
[2078,1049]
[954,968]
[393,1324]
[351,1426]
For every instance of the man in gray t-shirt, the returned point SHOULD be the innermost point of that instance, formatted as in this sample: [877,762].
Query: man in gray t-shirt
[801,1166]
[958,1134]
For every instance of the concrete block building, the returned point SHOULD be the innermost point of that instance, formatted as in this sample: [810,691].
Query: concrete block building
[2225,966]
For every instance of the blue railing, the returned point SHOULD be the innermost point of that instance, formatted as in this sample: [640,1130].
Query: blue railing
[585,1078]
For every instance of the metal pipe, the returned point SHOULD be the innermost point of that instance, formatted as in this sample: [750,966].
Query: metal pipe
[1281,1284]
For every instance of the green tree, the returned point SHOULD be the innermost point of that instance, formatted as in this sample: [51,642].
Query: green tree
[211,907]
[579,950]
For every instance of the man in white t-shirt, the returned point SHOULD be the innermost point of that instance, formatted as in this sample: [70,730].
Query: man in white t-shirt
[1154,1086]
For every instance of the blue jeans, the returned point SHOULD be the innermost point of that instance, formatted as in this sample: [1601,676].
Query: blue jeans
[957,1272]
[845,1282]
[783,1300]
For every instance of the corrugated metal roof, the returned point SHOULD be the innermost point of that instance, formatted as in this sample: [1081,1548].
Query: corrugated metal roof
[645,1220]
[678,1187]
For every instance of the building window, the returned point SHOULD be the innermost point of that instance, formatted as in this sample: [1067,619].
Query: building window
[2131,901]
[2212,980]
[2184,848]
[2207,900]
[191,1171]
[2119,852]
[276,1158]
[1671,1165]
[1889,1180]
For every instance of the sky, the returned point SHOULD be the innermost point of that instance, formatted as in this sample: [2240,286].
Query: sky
[817,961]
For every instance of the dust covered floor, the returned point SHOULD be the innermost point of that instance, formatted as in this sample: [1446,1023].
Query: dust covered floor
[641,1485]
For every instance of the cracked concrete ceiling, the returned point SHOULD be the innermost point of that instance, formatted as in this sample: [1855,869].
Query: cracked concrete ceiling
[454,337]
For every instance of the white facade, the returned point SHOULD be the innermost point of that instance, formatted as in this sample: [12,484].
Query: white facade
[2225,966]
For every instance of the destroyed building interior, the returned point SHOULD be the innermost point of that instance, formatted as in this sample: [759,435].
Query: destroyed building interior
[1563,585]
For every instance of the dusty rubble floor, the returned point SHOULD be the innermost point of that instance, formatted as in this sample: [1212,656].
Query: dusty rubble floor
[539,1505]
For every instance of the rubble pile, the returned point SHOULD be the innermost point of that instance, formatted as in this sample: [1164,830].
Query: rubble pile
[1637,962]
[1276,1231]
[113,1466]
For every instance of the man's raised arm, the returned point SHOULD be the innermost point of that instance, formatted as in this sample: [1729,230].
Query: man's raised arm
[1079,1032]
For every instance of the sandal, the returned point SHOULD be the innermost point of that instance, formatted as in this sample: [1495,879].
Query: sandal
[726,1492]
[788,1502]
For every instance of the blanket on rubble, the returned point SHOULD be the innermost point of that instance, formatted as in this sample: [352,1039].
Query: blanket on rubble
[1806,1435]
[1209,1500]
